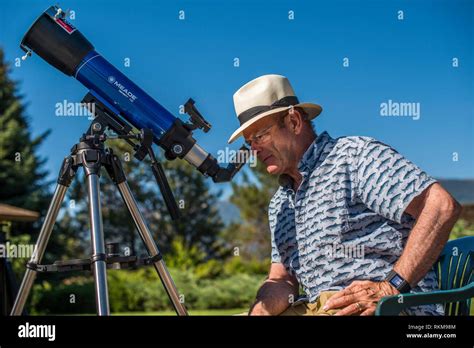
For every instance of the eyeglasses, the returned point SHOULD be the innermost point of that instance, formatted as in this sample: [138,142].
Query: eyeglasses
[261,138]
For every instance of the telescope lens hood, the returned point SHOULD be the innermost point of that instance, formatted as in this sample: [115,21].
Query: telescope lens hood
[57,42]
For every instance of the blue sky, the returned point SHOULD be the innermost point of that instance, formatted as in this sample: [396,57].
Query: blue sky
[407,60]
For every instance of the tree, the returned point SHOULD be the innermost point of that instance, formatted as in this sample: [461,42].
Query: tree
[22,177]
[252,236]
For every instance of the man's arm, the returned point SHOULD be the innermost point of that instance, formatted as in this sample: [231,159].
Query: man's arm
[274,295]
[436,212]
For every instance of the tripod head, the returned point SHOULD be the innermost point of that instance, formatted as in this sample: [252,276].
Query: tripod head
[141,143]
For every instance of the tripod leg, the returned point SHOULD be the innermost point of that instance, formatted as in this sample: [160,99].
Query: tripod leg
[152,249]
[99,267]
[115,171]
[40,247]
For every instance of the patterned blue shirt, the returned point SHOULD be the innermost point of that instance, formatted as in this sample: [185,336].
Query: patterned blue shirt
[346,221]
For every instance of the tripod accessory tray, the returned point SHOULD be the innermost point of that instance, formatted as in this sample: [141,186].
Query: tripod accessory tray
[112,262]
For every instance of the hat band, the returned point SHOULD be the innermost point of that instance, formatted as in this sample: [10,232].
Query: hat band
[257,110]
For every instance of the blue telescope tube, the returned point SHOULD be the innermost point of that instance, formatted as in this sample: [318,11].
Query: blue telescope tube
[136,106]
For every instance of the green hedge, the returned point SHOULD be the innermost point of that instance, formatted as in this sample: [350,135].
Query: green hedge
[141,290]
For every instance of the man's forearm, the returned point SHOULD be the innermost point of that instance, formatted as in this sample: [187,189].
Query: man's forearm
[273,297]
[427,239]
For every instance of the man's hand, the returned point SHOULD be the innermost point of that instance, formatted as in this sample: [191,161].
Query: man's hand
[360,298]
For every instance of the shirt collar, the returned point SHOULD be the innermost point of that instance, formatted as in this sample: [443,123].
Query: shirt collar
[309,159]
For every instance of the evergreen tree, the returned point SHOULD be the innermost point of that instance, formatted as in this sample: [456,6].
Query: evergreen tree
[22,177]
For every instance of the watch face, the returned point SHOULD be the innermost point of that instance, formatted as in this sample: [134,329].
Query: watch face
[397,281]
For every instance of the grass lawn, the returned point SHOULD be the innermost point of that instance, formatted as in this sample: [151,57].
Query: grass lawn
[198,312]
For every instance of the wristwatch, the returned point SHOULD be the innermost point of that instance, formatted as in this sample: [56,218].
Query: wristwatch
[397,281]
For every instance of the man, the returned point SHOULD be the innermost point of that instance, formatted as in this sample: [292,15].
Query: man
[339,195]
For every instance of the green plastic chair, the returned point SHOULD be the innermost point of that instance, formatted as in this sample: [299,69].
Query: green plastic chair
[455,272]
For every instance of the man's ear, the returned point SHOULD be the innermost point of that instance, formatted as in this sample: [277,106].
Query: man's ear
[295,120]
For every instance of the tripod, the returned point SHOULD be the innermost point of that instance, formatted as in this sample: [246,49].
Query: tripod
[91,154]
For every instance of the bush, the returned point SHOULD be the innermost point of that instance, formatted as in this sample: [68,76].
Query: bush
[253,266]
[461,229]
[141,290]
[236,291]
[135,291]
[75,295]
[209,270]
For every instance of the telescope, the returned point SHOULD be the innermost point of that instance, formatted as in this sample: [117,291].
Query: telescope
[118,105]
[60,44]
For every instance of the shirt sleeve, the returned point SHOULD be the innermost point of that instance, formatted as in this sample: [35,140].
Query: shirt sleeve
[275,257]
[386,181]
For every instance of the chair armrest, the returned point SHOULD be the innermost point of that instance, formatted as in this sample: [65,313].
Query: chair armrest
[391,305]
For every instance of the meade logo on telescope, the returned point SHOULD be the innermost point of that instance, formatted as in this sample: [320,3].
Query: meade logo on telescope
[132,97]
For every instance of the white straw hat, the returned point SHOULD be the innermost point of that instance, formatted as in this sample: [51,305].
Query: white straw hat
[264,96]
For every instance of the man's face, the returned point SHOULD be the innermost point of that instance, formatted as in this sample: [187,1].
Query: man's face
[274,145]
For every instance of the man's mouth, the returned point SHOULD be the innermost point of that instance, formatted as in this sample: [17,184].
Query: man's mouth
[265,158]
